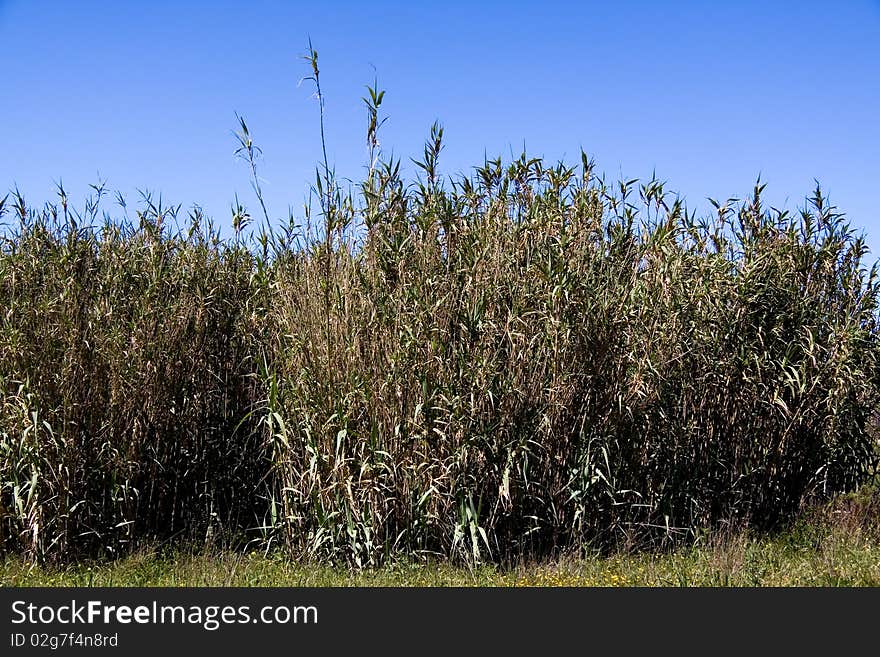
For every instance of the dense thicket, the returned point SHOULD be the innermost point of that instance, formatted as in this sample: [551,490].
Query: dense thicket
[485,367]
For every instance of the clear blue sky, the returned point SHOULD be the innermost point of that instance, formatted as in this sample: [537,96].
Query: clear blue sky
[709,94]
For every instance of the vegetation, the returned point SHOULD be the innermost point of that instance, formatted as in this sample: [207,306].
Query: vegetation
[836,546]
[484,367]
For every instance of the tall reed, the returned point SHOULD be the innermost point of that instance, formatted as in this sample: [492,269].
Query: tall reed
[492,366]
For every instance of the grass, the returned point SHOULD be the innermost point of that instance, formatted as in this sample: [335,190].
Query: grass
[489,367]
[780,561]
[839,546]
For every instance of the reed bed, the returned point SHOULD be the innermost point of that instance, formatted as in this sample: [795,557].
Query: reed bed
[487,367]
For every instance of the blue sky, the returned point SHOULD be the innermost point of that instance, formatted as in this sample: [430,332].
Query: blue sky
[709,94]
